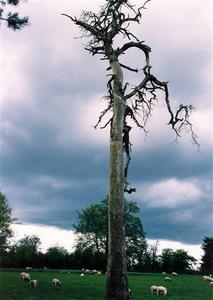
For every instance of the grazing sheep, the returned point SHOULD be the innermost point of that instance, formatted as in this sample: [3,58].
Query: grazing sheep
[29,268]
[168,279]
[82,274]
[163,273]
[154,289]
[130,292]
[161,290]
[207,278]
[33,283]
[98,273]
[24,276]
[56,282]
[174,273]
[211,283]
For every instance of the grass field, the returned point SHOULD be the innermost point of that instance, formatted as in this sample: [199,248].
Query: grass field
[91,287]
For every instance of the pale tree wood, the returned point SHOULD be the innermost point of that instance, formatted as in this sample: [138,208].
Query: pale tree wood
[117,280]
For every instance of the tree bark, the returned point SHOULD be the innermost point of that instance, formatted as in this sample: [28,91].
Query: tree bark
[117,281]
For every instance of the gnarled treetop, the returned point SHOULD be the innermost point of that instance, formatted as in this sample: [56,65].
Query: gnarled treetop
[113,20]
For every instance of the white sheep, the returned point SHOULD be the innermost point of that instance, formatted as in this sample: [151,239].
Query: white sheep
[161,290]
[207,278]
[82,274]
[98,273]
[24,276]
[154,289]
[33,283]
[211,283]
[174,273]
[168,279]
[56,282]
[29,268]
[163,273]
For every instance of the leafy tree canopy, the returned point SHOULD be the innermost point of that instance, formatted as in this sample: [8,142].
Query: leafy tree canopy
[56,257]
[31,243]
[178,260]
[56,251]
[5,222]
[14,21]
[25,251]
[92,229]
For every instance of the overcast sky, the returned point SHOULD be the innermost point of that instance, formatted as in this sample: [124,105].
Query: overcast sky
[53,161]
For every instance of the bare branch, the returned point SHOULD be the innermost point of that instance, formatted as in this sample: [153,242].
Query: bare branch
[85,26]
[129,68]
[130,190]
[141,85]
[107,123]
[103,113]
[95,50]
[146,49]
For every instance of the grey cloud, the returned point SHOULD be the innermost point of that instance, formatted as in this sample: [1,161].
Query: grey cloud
[164,224]
[187,222]
[169,161]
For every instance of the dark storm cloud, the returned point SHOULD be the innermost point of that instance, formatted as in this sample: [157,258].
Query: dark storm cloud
[187,225]
[55,206]
[170,161]
[52,164]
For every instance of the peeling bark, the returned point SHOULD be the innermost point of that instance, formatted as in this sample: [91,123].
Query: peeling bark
[117,280]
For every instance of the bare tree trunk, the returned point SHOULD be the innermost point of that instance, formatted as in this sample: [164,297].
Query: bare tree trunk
[117,281]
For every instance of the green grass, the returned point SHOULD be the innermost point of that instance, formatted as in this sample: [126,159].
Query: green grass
[91,287]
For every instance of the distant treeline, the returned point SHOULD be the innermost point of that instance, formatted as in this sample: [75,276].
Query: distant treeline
[26,253]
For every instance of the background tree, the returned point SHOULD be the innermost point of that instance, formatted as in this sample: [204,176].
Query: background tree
[92,228]
[56,257]
[124,103]
[6,220]
[150,261]
[167,260]
[136,244]
[182,261]
[26,251]
[14,21]
[178,261]
[207,258]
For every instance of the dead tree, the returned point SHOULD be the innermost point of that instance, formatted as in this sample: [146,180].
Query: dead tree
[123,104]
